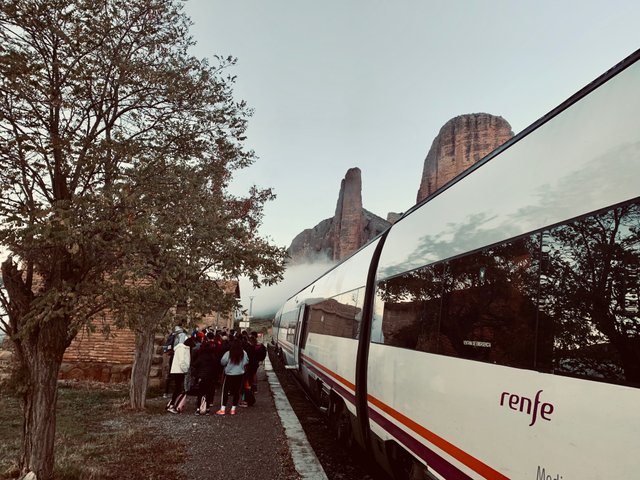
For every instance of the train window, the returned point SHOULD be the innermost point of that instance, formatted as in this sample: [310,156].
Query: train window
[589,295]
[489,304]
[338,316]
[410,306]
[288,322]
[565,300]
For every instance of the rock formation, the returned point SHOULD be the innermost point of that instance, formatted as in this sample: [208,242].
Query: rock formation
[350,228]
[348,220]
[393,217]
[462,141]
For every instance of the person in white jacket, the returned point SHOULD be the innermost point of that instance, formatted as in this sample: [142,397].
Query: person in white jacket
[179,368]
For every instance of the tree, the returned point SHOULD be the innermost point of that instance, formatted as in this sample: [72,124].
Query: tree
[196,235]
[102,114]
[590,289]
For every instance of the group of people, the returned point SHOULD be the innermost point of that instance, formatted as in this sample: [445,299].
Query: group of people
[207,358]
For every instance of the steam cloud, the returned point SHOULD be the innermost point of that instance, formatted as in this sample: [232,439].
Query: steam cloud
[267,300]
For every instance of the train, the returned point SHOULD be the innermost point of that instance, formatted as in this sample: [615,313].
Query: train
[493,331]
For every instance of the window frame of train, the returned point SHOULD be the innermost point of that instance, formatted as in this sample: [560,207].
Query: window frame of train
[288,321]
[507,303]
[344,308]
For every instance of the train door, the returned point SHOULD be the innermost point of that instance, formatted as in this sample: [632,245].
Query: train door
[301,335]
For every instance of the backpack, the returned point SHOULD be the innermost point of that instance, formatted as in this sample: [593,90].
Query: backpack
[261,352]
[168,345]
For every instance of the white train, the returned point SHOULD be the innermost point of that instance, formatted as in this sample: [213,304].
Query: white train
[493,332]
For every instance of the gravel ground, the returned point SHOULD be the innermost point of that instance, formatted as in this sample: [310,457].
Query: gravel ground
[247,446]
[252,444]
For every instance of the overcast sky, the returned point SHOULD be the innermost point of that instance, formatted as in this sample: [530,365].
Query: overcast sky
[337,84]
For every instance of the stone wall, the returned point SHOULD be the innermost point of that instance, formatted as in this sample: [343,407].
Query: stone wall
[95,355]
[92,356]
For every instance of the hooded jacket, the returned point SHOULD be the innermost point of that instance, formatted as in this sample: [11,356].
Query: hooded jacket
[181,358]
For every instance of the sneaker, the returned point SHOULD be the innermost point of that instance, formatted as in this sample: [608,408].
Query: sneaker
[220,412]
[172,410]
[242,403]
[208,412]
[233,411]
[198,412]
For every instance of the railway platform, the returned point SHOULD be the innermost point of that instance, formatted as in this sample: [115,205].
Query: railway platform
[265,441]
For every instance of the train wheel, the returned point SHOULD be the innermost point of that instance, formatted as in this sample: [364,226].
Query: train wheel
[340,422]
[344,430]
[405,467]
[321,395]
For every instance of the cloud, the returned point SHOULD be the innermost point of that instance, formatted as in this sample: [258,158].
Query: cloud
[267,300]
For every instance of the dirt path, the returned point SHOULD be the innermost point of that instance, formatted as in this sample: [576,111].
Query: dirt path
[248,446]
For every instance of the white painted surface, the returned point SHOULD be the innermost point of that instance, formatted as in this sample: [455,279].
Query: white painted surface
[304,458]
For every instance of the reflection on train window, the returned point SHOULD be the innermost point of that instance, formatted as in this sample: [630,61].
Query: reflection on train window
[480,307]
[589,295]
[288,320]
[574,311]
[339,316]
[411,309]
[489,304]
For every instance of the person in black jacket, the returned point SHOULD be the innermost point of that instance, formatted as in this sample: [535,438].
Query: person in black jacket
[206,364]
[257,353]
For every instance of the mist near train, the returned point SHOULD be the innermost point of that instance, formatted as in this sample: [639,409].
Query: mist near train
[267,300]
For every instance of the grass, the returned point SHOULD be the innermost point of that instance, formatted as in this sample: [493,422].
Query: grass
[97,436]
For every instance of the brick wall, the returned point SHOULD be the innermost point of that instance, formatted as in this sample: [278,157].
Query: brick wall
[94,355]
[109,358]
[117,347]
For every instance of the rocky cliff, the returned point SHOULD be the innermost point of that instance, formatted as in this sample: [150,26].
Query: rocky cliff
[350,228]
[462,141]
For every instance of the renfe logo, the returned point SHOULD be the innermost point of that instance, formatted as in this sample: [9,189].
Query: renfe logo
[525,405]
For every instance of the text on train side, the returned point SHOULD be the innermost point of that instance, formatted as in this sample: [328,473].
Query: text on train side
[542,475]
[525,405]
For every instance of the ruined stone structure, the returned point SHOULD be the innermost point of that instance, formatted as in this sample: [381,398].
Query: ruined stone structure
[350,228]
[462,142]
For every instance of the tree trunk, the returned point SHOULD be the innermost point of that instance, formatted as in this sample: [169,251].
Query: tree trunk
[41,358]
[145,339]
[39,426]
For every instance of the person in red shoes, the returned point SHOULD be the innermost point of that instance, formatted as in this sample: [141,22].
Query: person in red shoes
[234,362]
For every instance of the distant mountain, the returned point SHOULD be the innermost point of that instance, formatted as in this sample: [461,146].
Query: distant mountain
[461,142]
